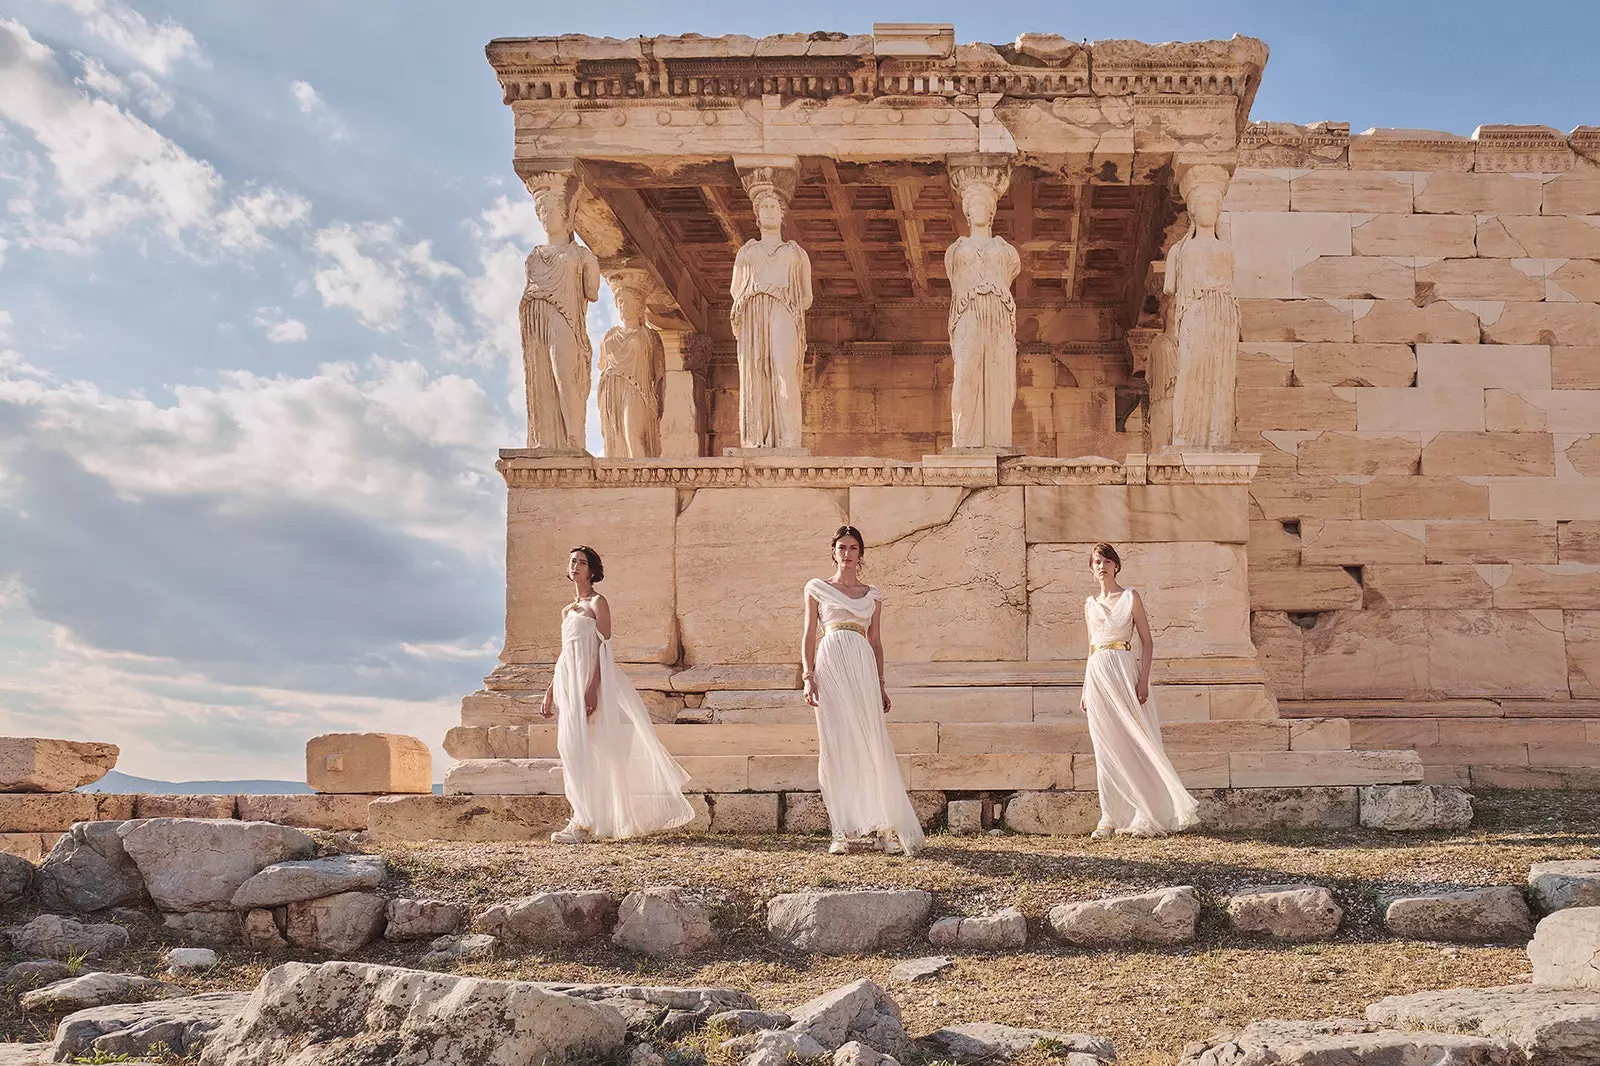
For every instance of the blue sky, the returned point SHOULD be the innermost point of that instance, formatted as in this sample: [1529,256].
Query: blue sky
[259,266]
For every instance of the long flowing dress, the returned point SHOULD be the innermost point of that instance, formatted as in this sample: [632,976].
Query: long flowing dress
[861,784]
[631,366]
[562,279]
[1139,790]
[771,291]
[983,340]
[619,780]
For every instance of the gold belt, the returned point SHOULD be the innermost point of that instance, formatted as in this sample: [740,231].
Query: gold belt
[1111,645]
[854,627]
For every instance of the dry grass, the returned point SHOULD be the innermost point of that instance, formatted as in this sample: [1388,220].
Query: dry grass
[1150,1002]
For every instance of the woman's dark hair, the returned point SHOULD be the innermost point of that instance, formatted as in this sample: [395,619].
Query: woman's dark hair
[597,570]
[850,531]
[1107,551]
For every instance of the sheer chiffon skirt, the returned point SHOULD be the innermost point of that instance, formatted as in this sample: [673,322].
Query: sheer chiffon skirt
[619,779]
[1139,789]
[861,783]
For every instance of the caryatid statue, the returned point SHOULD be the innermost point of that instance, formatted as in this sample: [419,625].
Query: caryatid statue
[983,316]
[563,278]
[1204,318]
[771,294]
[633,362]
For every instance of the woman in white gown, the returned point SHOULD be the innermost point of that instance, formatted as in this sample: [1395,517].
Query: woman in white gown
[842,656]
[619,780]
[1140,793]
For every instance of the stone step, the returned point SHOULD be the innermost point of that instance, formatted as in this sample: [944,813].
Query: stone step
[952,738]
[1440,709]
[972,772]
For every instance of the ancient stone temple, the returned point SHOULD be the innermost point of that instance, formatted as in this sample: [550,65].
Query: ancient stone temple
[1332,395]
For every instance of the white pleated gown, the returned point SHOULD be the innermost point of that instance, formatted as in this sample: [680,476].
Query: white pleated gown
[1139,789]
[619,780]
[861,784]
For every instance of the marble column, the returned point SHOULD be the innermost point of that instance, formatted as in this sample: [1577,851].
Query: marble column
[682,397]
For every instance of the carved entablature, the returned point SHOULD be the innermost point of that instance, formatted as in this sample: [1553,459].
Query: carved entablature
[1266,145]
[1521,150]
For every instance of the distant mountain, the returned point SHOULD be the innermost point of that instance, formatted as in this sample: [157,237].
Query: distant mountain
[125,784]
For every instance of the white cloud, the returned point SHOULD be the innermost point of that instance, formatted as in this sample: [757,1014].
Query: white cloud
[368,269]
[242,224]
[155,47]
[98,79]
[156,101]
[279,330]
[6,322]
[306,96]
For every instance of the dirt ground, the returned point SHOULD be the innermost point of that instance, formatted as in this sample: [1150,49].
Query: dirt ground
[1149,1002]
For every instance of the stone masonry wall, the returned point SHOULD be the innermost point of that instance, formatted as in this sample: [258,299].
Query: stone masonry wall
[1420,368]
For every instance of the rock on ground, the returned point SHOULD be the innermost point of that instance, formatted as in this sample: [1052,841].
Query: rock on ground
[1550,1026]
[1289,912]
[214,928]
[95,990]
[855,1053]
[662,921]
[422,919]
[460,947]
[1555,886]
[858,1011]
[1348,1042]
[549,919]
[262,932]
[913,970]
[294,882]
[16,875]
[1052,813]
[686,1009]
[992,932]
[183,959]
[337,924]
[88,870]
[197,864]
[740,1022]
[53,937]
[1498,914]
[1408,808]
[342,1012]
[775,1048]
[25,1055]
[964,817]
[36,973]
[988,1042]
[1165,916]
[847,923]
[40,764]
[181,1025]
[1565,951]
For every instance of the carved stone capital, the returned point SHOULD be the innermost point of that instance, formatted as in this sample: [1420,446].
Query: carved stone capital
[1203,178]
[632,276]
[767,175]
[987,170]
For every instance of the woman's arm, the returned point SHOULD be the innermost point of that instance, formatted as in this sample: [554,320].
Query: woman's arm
[602,623]
[808,651]
[875,638]
[1083,698]
[1141,625]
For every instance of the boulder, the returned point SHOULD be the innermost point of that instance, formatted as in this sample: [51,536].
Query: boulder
[422,919]
[53,937]
[262,931]
[16,875]
[344,1012]
[740,1022]
[39,764]
[1052,813]
[1549,1026]
[988,1042]
[774,1048]
[1289,912]
[1409,808]
[670,1012]
[95,990]
[858,1011]
[1346,1041]
[1165,916]
[208,928]
[662,921]
[991,932]
[88,870]
[964,817]
[855,1053]
[1566,949]
[847,923]
[292,882]
[549,919]
[913,970]
[1498,914]
[337,924]
[180,1025]
[460,947]
[197,864]
[187,960]
[368,764]
[1555,886]
[25,1055]
[36,973]
[646,1055]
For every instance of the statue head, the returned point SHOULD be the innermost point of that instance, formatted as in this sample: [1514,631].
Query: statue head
[552,203]
[631,289]
[770,189]
[769,206]
[1203,188]
[978,203]
[979,188]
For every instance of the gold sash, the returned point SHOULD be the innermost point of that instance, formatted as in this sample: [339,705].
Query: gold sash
[1111,645]
[854,627]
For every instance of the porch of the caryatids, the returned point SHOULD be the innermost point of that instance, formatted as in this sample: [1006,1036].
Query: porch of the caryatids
[562,278]
[983,313]
[632,371]
[771,293]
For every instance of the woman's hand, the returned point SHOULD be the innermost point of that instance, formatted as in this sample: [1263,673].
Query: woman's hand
[547,709]
[883,688]
[1142,690]
[1083,704]
[591,700]
[810,689]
